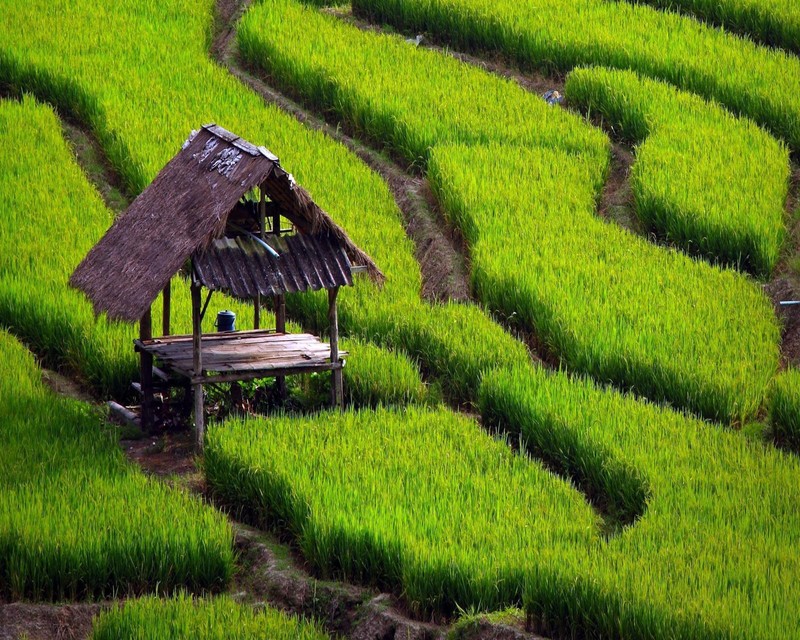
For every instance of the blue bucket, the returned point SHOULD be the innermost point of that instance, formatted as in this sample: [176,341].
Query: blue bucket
[226,321]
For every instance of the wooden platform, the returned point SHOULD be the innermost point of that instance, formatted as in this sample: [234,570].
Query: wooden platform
[242,355]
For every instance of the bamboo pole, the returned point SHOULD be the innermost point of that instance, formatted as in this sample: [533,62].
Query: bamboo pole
[337,392]
[197,353]
[146,373]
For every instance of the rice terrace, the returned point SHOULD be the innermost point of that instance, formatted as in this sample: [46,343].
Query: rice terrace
[400,319]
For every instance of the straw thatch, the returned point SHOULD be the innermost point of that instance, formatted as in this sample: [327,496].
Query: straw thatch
[182,211]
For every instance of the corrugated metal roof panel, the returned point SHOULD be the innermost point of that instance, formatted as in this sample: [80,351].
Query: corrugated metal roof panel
[243,267]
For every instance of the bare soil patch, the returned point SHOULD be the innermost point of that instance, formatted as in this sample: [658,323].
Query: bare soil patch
[47,621]
[65,386]
[94,162]
[164,456]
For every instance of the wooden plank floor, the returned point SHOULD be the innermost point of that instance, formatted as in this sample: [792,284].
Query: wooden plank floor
[242,352]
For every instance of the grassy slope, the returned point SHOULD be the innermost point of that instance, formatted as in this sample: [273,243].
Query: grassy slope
[713,184]
[773,22]
[99,79]
[747,78]
[76,521]
[618,313]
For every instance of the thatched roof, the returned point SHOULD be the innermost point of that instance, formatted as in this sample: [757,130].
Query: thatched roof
[183,210]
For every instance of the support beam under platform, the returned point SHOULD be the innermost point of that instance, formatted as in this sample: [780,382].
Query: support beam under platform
[197,363]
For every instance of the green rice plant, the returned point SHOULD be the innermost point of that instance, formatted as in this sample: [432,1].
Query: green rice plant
[748,79]
[374,376]
[773,22]
[605,301]
[619,318]
[714,546]
[182,617]
[124,73]
[407,99]
[427,504]
[710,182]
[784,410]
[76,521]
[416,500]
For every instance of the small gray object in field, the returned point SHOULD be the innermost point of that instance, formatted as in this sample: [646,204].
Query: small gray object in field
[553,97]
[415,41]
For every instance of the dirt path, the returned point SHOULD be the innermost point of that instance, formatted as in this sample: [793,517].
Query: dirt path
[95,164]
[785,282]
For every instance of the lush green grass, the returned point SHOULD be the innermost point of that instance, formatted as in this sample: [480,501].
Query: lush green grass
[606,302]
[374,376]
[139,75]
[36,261]
[183,617]
[418,500]
[774,22]
[426,503]
[405,98]
[709,182]
[561,34]
[76,521]
[118,70]
[618,312]
[785,408]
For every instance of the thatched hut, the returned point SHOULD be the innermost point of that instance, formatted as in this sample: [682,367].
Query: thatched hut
[194,217]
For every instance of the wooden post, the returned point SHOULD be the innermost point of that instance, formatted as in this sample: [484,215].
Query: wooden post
[337,392]
[197,364]
[262,222]
[276,222]
[280,327]
[166,299]
[146,373]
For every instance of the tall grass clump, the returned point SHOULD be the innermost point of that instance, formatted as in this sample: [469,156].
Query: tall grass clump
[712,183]
[76,521]
[772,22]
[784,409]
[376,376]
[182,617]
[749,79]
[416,500]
